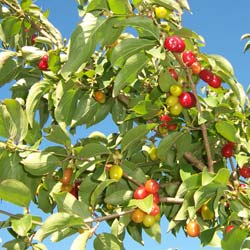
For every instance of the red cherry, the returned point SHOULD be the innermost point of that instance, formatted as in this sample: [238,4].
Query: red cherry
[152,186]
[227,151]
[229,228]
[33,39]
[172,126]
[155,209]
[188,57]
[43,63]
[140,193]
[215,82]
[206,75]
[196,68]
[245,171]
[173,73]
[174,44]
[75,188]
[156,198]
[187,100]
[166,118]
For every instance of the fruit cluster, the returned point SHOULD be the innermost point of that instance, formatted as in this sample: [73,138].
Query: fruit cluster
[176,45]
[150,187]
[166,124]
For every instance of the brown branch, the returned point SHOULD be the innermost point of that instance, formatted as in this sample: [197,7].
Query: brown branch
[194,161]
[198,106]
[109,217]
[173,200]
[130,178]
[232,164]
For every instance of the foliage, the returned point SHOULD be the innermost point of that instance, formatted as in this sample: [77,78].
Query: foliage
[118,50]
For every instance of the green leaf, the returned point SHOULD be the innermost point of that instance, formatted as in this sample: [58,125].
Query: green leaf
[187,33]
[55,222]
[8,67]
[223,64]
[134,135]
[16,244]
[234,239]
[15,191]
[68,97]
[128,74]
[238,90]
[144,25]
[87,35]
[99,189]
[189,184]
[169,4]
[31,53]
[23,225]
[58,135]
[68,203]
[93,149]
[227,130]
[119,197]
[120,7]
[222,176]
[97,5]
[35,93]
[166,143]
[129,47]
[18,118]
[165,81]
[154,232]
[144,204]
[80,241]
[39,163]
[107,241]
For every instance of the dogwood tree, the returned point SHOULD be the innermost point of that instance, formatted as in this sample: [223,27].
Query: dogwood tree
[179,149]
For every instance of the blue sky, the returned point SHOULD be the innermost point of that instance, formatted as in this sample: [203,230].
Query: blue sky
[221,23]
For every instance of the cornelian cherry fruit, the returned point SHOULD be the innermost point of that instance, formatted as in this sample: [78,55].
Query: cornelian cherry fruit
[193,228]
[140,193]
[174,44]
[188,58]
[152,186]
[187,100]
[206,75]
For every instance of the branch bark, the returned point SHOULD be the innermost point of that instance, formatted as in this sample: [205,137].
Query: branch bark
[194,161]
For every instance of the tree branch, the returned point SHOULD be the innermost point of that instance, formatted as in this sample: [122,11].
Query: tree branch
[198,106]
[19,217]
[174,200]
[194,161]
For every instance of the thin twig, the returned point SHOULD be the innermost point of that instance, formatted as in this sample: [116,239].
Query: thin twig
[173,200]
[232,164]
[19,217]
[130,178]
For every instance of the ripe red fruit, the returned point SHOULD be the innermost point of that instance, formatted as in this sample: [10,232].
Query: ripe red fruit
[245,171]
[206,75]
[152,186]
[155,209]
[33,39]
[156,198]
[43,63]
[196,68]
[187,100]
[188,57]
[140,193]
[174,44]
[172,126]
[166,118]
[173,73]
[193,228]
[75,188]
[215,82]
[227,151]
[229,228]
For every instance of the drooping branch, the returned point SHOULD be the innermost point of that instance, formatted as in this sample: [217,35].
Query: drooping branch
[194,161]
[173,200]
